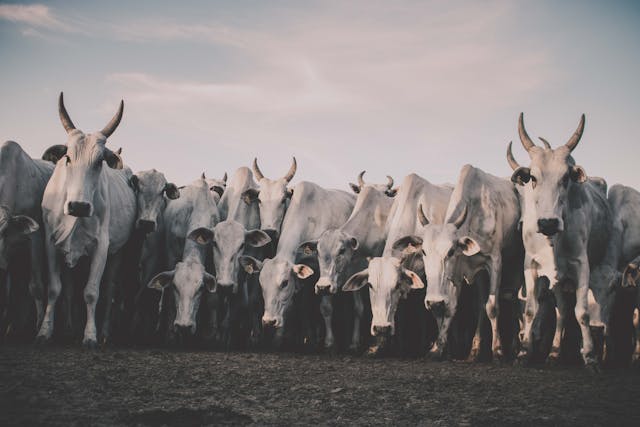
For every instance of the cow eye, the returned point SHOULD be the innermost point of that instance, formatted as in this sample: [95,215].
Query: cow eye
[68,159]
[283,284]
[534,181]
[451,252]
[341,251]
[565,179]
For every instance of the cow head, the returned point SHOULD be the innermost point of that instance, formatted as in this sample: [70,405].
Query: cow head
[229,242]
[13,229]
[552,173]
[385,188]
[83,161]
[389,281]
[151,187]
[278,282]
[188,281]
[334,251]
[217,185]
[273,197]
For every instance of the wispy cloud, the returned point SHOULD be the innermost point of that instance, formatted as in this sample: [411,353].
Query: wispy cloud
[35,16]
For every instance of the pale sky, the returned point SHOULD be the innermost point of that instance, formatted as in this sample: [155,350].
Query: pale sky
[390,87]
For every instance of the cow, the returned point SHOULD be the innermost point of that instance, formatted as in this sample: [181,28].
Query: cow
[615,276]
[631,280]
[388,278]
[341,252]
[313,210]
[22,183]
[239,200]
[189,222]
[274,198]
[217,186]
[572,212]
[478,244]
[88,210]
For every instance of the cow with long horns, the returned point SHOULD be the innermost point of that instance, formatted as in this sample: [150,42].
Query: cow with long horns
[88,210]
[571,211]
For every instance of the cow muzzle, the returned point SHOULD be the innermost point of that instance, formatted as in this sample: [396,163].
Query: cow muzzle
[549,226]
[185,331]
[79,209]
[325,287]
[268,322]
[146,225]
[382,331]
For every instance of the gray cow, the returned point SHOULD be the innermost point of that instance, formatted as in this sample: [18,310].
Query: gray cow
[572,212]
[387,276]
[343,251]
[238,202]
[88,210]
[217,186]
[480,236]
[189,222]
[22,183]
[313,210]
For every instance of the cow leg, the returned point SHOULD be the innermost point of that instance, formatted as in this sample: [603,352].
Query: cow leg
[36,282]
[582,315]
[554,354]
[477,353]
[92,292]
[492,307]
[530,310]
[55,286]
[358,312]
[326,309]
[109,279]
[636,323]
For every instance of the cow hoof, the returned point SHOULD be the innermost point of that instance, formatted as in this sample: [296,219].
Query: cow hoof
[90,344]
[330,350]
[373,351]
[593,366]
[553,360]
[436,356]
[42,340]
[354,349]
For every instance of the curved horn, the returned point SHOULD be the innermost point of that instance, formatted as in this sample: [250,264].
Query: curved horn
[421,216]
[575,138]
[119,151]
[460,220]
[545,143]
[390,183]
[512,160]
[64,116]
[360,179]
[292,170]
[527,143]
[256,169]
[224,178]
[115,121]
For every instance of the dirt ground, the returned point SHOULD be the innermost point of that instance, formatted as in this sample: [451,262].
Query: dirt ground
[71,386]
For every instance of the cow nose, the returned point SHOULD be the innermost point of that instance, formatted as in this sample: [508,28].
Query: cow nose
[146,225]
[79,209]
[382,330]
[225,288]
[269,323]
[323,289]
[185,330]
[436,307]
[548,226]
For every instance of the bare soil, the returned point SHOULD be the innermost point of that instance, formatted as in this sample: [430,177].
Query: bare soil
[71,386]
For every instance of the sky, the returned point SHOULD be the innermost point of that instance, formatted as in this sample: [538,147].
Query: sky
[388,87]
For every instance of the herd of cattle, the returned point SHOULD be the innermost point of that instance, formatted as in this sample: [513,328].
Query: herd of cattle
[490,267]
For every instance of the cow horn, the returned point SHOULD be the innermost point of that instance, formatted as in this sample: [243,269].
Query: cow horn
[527,143]
[512,160]
[545,143]
[115,121]
[575,138]
[224,178]
[460,220]
[421,216]
[203,176]
[292,170]
[256,169]
[360,179]
[390,183]
[64,116]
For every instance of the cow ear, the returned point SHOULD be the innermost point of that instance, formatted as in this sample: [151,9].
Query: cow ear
[54,153]
[356,282]
[257,238]
[134,183]
[202,236]
[408,244]
[249,196]
[631,275]
[578,174]
[114,161]
[354,243]
[250,264]
[391,192]
[161,281]
[415,282]
[521,176]
[468,245]
[309,248]
[354,188]
[210,282]
[23,224]
[302,271]
[218,189]
[171,191]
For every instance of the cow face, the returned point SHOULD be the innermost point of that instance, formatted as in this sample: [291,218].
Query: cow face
[388,281]
[217,185]
[229,242]
[83,162]
[274,197]
[383,188]
[552,173]
[334,251]
[151,187]
[277,280]
[13,229]
[188,282]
